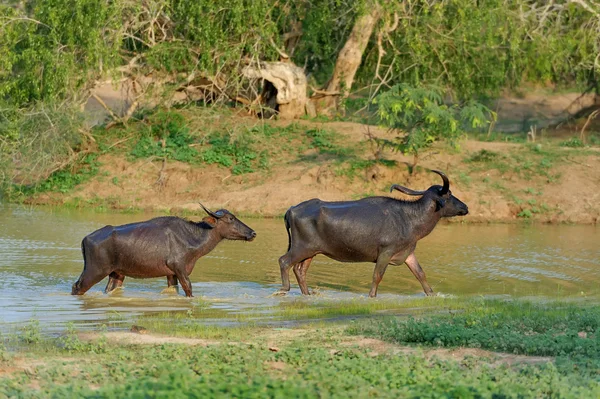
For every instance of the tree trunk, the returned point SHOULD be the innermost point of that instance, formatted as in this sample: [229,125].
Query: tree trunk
[349,59]
[290,82]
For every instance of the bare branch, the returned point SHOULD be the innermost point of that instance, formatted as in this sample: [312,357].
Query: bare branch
[14,19]
[282,54]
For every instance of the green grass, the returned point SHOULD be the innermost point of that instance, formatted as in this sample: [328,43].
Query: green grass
[573,142]
[501,137]
[320,361]
[318,309]
[527,162]
[569,332]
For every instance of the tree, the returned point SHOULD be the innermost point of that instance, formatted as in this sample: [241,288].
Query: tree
[420,117]
[350,57]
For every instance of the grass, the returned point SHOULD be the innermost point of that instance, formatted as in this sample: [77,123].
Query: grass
[541,164]
[199,137]
[205,138]
[323,360]
[527,162]
[569,332]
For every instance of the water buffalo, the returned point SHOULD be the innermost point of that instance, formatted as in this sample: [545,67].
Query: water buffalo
[164,246]
[382,230]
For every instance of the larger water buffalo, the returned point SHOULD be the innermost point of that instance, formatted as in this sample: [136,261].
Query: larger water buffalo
[382,230]
[165,246]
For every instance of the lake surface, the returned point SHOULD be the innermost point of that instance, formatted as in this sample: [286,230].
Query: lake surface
[40,258]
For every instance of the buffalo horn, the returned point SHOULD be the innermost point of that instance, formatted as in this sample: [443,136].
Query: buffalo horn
[446,182]
[405,190]
[217,214]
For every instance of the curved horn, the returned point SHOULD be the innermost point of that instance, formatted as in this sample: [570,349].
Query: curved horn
[217,215]
[405,190]
[446,182]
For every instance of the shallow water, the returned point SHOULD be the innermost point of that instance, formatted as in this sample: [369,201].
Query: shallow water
[40,258]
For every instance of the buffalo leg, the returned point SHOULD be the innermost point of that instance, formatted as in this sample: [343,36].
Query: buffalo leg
[86,281]
[285,264]
[186,284]
[415,268]
[171,281]
[300,270]
[380,267]
[115,280]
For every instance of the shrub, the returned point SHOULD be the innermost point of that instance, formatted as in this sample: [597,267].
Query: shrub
[420,117]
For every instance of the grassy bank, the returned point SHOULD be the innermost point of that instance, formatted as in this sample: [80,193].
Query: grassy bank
[418,356]
[166,161]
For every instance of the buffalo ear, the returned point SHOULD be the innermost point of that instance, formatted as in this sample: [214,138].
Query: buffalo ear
[211,221]
[439,204]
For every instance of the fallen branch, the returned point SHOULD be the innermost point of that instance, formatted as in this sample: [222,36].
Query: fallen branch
[593,115]
[119,142]
[74,156]
[323,93]
[103,104]
[284,57]
[130,111]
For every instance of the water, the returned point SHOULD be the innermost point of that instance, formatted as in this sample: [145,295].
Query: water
[40,258]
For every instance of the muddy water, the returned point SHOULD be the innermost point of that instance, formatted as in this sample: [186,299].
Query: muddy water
[40,258]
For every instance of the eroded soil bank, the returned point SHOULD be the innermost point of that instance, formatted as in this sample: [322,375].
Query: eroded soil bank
[500,181]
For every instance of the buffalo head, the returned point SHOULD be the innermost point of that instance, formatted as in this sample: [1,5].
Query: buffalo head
[446,203]
[228,225]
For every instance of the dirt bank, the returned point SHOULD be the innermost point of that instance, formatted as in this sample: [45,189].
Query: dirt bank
[500,181]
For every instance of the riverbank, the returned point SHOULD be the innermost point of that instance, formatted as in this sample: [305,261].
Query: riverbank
[468,348]
[261,168]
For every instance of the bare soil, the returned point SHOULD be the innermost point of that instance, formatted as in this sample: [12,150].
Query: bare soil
[378,347]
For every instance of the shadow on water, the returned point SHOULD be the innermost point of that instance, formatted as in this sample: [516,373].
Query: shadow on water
[40,258]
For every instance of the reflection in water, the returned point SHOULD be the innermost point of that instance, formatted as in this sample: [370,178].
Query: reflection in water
[40,258]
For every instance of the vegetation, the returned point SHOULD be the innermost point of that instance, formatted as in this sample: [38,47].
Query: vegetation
[420,117]
[54,52]
[565,331]
[325,359]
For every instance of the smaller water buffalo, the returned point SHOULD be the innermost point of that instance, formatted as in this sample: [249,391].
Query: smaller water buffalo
[164,246]
[382,230]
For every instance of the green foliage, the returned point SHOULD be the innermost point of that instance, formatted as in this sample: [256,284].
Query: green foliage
[232,152]
[325,142]
[170,128]
[477,48]
[573,142]
[4,355]
[219,34]
[57,48]
[499,136]
[53,49]
[70,341]
[31,333]
[526,162]
[422,117]
[320,365]
[483,156]
[324,25]
[525,213]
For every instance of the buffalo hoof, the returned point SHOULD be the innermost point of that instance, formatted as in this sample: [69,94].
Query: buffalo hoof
[279,293]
